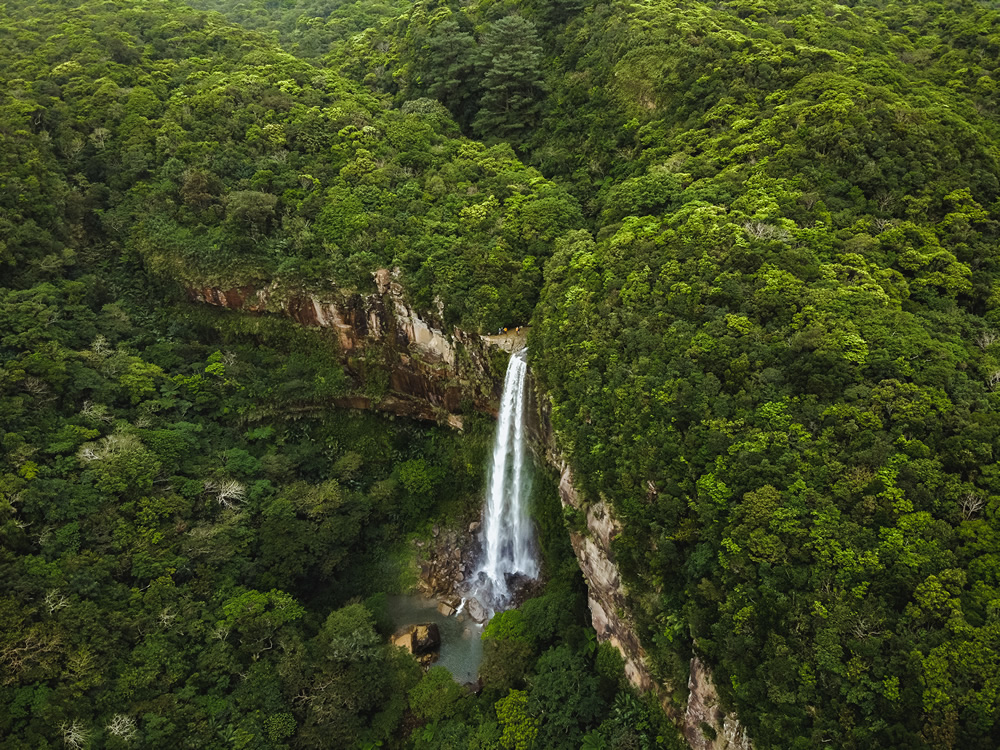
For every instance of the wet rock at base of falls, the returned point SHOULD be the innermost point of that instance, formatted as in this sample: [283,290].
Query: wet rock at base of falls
[474,527]
[404,640]
[523,588]
[445,609]
[476,610]
[426,638]
[419,640]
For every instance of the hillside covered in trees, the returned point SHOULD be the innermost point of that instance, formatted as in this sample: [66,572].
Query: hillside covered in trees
[758,243]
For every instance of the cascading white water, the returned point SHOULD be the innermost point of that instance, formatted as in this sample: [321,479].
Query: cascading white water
[508,544]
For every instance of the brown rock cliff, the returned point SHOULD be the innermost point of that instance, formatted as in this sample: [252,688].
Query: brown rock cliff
[704,725]
[433,374]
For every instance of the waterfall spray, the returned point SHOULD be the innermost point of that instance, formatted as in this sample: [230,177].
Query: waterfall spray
[508,544]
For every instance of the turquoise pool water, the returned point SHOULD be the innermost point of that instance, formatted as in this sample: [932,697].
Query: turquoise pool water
[461,646]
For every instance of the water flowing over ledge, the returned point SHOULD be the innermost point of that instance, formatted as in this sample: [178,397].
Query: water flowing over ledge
[508,538]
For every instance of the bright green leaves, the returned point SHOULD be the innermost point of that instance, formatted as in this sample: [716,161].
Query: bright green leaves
[519,728]
[256,617]
[140,379]
[907,404]
[920,256]
[342,216]
[712,490]
[437,696]
[652,193]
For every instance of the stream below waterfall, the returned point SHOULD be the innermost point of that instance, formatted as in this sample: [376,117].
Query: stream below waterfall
[509,553]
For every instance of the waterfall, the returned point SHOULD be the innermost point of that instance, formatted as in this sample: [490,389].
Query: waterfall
[508,544]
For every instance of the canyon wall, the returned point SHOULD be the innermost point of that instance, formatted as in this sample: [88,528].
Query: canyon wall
[704,724]
[434,375]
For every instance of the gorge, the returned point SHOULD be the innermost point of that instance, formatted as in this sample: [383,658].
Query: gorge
[250,257]
[522,430]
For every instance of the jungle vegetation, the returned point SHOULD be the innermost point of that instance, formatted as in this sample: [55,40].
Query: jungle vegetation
[758,243]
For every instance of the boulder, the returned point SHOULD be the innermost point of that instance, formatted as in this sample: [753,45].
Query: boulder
[476,610]
[474,527]
[446,609]
[404,640]
[426,638]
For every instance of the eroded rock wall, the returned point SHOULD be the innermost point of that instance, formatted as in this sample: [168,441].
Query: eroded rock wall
[605,592]
[433,374]
[704,724]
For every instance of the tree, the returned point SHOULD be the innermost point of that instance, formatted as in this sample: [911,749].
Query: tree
[513,85]
[437,696]
[564,697]
[519,728]
[445,69]
[256,618]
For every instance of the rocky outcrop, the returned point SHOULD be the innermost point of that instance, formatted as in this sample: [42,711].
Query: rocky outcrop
[446,560]
[423,641]
[433,374]
[706,726]
[426,638]
[606,595]
[703,723]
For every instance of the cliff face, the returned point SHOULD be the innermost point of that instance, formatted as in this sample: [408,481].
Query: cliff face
[704,724]
[432,374]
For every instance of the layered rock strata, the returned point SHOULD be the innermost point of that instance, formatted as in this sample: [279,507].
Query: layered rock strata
[433,374]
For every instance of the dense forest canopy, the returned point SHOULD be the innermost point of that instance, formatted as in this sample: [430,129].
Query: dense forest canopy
[759,245]
[219,158]
[195,541]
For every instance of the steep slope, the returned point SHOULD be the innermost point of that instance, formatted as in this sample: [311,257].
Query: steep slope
[192,537]
[775,356]
[217,158]
[777,362]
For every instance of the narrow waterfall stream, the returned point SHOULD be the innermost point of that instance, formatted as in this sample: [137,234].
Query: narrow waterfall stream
[508,540]
[508,556]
